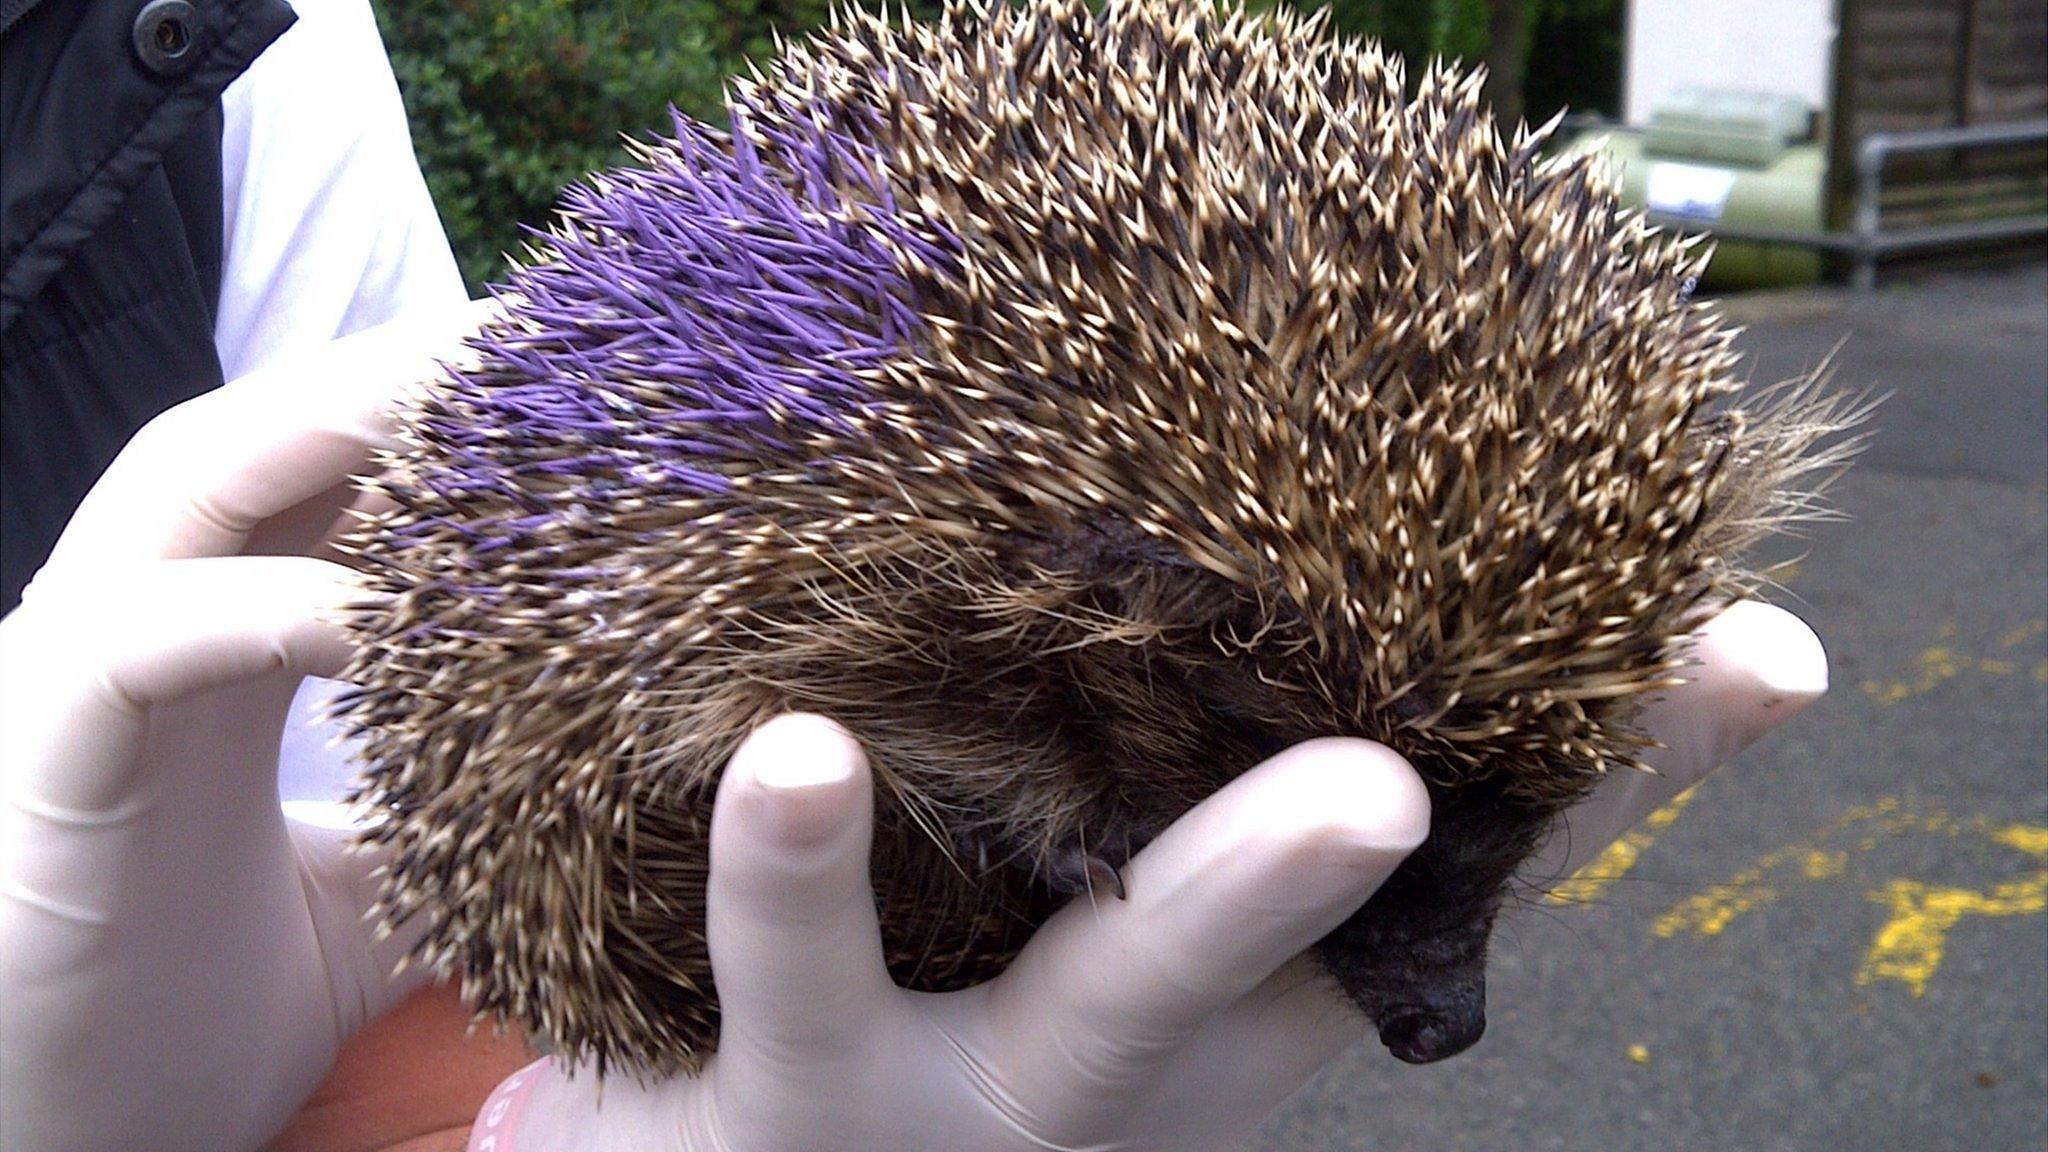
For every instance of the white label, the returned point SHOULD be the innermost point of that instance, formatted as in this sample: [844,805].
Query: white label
[1689,191]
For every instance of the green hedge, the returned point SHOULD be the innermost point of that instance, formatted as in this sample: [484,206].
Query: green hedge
[511,99]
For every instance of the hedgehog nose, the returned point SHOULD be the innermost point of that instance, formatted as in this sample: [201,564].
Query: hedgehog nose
[1423,1033]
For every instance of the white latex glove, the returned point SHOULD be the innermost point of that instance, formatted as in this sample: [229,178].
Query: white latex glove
[1172,1021]
[1753,667]
[178,966]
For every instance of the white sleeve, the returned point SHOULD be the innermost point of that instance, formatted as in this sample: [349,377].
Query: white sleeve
[329,228]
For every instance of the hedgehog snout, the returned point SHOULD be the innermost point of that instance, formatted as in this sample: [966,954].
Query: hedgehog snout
[1441,1026]
[1414,958]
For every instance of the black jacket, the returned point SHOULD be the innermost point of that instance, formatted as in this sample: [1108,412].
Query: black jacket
[110,235]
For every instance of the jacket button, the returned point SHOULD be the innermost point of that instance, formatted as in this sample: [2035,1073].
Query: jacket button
[167,37]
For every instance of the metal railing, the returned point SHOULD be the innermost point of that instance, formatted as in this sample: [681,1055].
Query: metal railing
[1867,240]
[1870,241]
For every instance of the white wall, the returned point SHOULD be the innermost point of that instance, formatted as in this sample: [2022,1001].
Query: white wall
[1780,47]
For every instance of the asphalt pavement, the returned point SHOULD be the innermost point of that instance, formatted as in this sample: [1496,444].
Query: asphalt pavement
[1839,942]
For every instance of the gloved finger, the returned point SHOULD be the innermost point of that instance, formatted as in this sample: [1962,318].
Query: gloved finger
[343,879]
[790,912]
[1754,666]
[1249,1058]
[1232,891]
[1757,667]
[83,665]
[198,479]
[314,526]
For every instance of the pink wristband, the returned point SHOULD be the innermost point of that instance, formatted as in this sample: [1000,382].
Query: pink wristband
[497,1124]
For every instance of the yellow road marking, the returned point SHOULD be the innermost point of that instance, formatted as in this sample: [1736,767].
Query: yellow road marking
[1713,910]
[2023,633]
[1709,912]
[1822,865]
[1909,947]
[1936,666]
[1585,885]
[2029,838]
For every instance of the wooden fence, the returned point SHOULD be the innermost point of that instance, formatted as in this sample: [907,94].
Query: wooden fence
[1909,65]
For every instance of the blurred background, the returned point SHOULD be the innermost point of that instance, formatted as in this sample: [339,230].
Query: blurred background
[1839,942]
[496,156]
[1815,138]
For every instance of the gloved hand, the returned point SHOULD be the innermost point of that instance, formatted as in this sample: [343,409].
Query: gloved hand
[1175,1020]
[178,966]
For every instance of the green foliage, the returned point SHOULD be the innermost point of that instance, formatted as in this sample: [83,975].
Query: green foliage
[1420,30]
[1575,54]
[1574,51]
[512,99]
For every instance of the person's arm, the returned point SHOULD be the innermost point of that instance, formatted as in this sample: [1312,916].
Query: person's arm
[411,1081]
[329,229]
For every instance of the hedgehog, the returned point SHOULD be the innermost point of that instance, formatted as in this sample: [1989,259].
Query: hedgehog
[1079,405]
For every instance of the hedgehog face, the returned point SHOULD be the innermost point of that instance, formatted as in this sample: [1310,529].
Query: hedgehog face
[1080,407]
[1124,738]
[1414,958]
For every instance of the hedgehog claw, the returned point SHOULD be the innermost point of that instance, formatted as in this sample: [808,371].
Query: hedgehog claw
[1076,871]
[1102,876]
